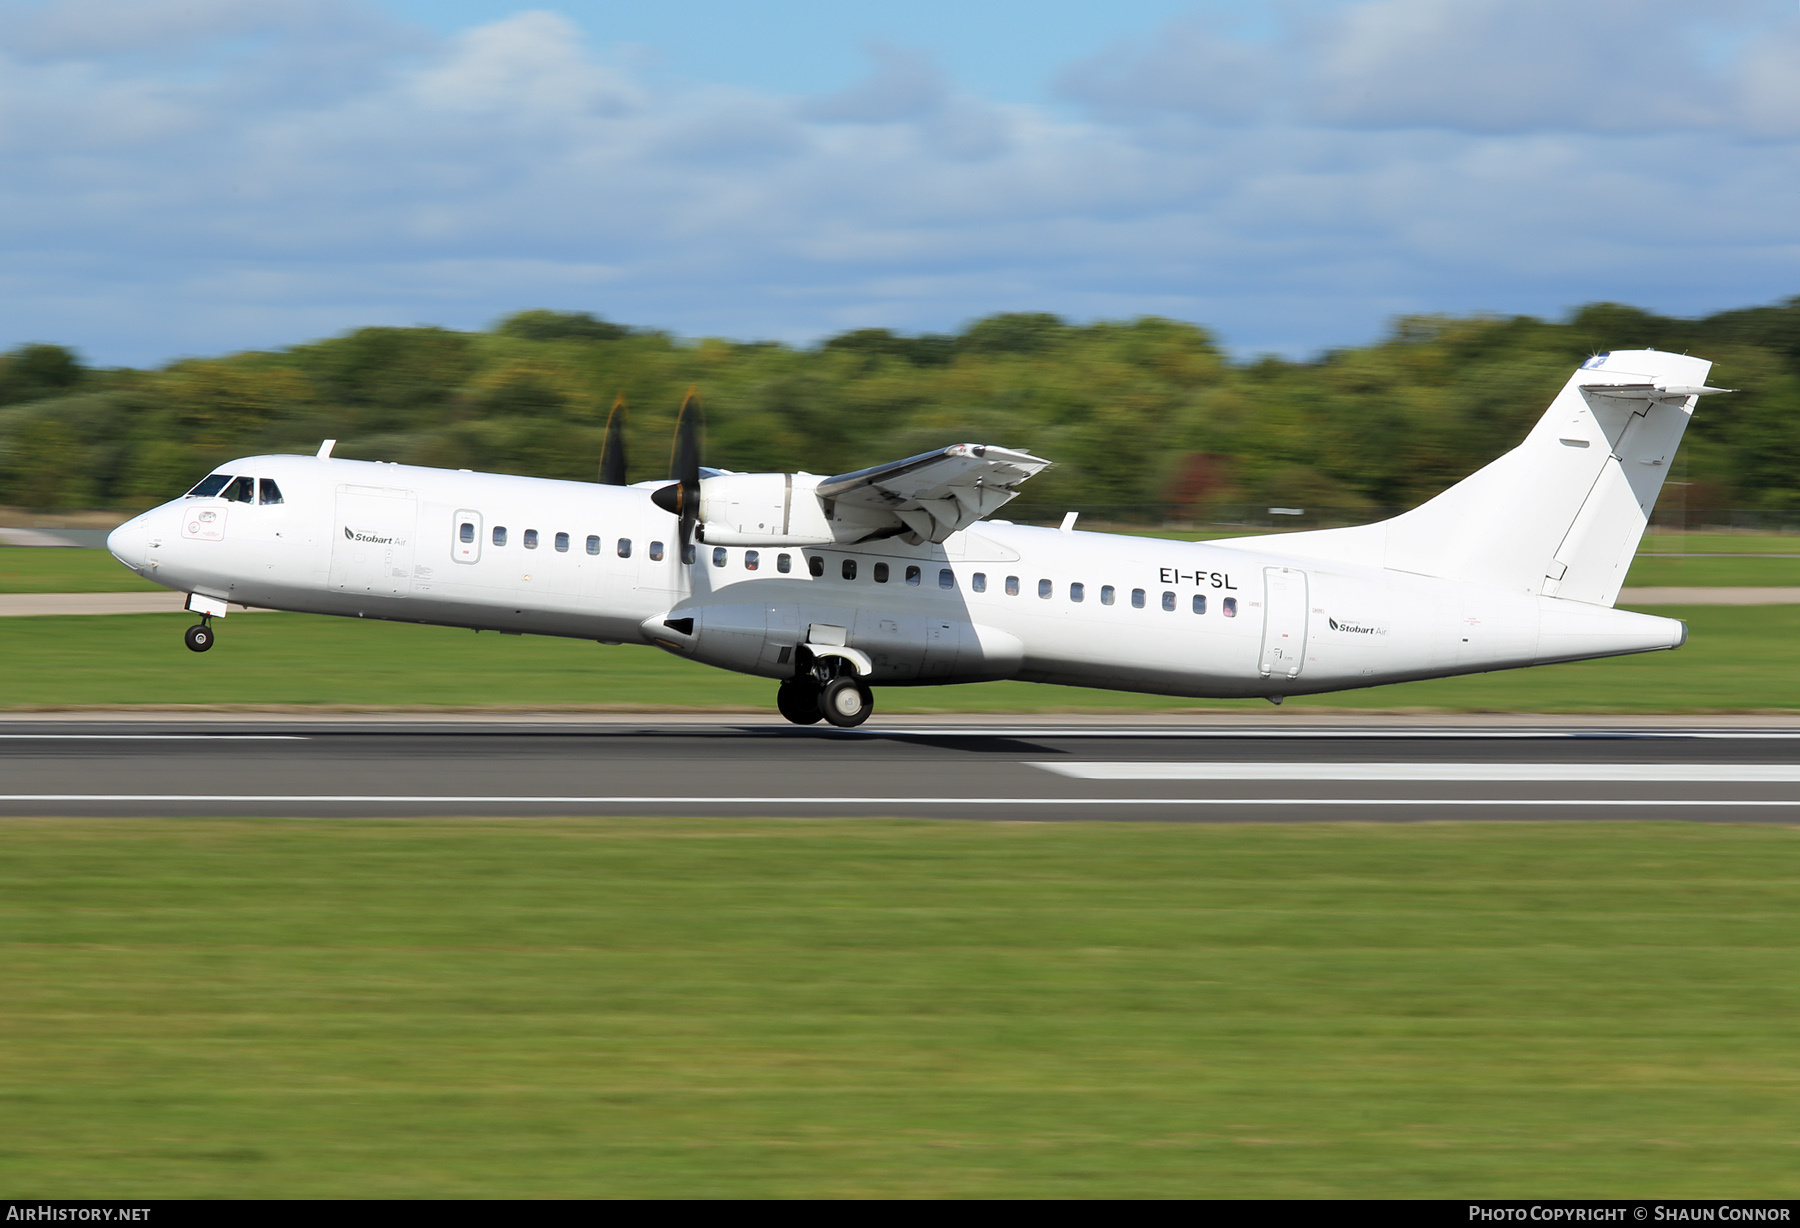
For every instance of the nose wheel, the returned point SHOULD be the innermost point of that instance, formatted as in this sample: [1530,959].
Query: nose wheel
[200,636]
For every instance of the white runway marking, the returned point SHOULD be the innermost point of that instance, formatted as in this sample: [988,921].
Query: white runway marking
[1219,803]
[1591,773]
[154,737]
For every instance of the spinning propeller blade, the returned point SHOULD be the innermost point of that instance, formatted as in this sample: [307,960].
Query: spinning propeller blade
[612,452]
[682,498]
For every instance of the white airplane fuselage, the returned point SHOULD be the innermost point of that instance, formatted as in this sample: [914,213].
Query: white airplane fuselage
[998,600]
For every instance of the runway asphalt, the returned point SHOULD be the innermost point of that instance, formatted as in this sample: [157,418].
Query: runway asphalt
[1028,769]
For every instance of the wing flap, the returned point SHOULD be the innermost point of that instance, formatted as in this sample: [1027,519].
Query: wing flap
[934,494]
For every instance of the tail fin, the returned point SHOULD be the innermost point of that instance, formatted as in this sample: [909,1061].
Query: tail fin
[1561,514]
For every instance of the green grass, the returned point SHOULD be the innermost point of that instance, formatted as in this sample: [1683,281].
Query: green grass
[1721,543]
[1738,658]
[1745,570]
[633,1007]
[35,569]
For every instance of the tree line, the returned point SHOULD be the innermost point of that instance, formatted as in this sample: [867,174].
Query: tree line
[1146,417]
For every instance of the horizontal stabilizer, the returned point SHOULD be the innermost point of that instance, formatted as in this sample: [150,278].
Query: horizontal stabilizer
[1650,392]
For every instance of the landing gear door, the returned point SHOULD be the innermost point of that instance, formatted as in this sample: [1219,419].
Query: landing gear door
[1284,623]
[372,541]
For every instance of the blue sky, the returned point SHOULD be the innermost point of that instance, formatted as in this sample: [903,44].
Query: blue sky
[197,176]
[1008,50]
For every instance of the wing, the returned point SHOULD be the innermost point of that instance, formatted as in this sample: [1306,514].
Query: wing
[934,494]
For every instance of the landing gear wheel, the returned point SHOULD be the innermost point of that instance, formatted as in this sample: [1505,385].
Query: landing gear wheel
[799,702]
[846,702]
[199,637]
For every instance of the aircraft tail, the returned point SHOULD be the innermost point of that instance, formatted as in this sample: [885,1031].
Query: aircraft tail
[1562,514]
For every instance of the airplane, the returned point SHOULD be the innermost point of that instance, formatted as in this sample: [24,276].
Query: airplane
[898,574]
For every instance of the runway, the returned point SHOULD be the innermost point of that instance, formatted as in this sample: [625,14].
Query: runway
[1009,770]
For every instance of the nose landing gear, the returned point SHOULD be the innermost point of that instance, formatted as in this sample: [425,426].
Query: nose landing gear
[200,636]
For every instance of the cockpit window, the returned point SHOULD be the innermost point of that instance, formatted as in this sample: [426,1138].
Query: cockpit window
[271,493]
[241,490]
[209,486]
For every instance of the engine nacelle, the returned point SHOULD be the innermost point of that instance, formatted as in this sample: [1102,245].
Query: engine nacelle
[774,509]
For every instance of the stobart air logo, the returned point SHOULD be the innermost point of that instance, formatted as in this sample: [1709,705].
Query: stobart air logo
[368,538]
[1355,628]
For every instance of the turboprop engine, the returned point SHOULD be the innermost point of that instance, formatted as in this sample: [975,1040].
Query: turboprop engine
[778,509]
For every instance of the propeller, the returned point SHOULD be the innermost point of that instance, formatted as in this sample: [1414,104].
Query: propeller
[681,498]
[612,452]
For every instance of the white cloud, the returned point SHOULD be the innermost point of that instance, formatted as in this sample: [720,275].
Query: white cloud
[903,85]
[1291,188]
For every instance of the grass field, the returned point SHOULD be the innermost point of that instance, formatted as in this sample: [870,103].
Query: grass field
[1748,570]
[1738,658]
[632,1007]
[34,569]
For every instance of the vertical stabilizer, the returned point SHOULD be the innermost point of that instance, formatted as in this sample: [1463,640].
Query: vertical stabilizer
[1562,514]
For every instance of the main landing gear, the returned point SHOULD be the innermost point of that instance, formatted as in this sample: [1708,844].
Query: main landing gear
[200,636]
[798,700]
[844,700]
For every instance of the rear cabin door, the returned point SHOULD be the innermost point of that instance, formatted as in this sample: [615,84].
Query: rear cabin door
[373,541]
[1284,622]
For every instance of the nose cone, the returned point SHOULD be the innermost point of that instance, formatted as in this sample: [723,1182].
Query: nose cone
[129,543]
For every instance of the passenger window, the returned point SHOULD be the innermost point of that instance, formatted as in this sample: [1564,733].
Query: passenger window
[241,490]
[624,547]
[656,552]
[815,565]
[1107,593]
[1137,598]
[209,486]
[978,581]
[912,575]
[946,578]
[1230,610]
[784,563]
[562,543]
[849,569]
[593,543]
[689,553]
[1045,588]
[1077,592]
[271,493]
[1012,586]
[881,573]
[751,559]
[1199,603]
[718,556]
[531,539]
[1169,602]
[499,535]
[467,533]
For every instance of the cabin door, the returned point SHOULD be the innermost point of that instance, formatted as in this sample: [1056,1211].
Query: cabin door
[372,541]
[1284,622]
